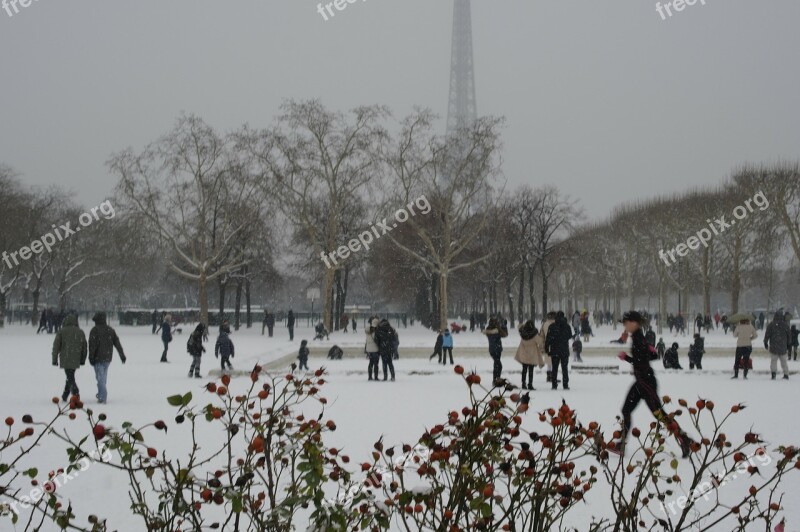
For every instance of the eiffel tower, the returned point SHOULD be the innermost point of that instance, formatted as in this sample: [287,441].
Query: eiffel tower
[461,110]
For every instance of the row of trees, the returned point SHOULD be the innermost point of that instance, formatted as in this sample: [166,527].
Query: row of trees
[197,208]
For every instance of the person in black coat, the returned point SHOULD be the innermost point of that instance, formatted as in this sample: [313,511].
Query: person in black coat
[696,351]
[290,324]
[793,332]
[224,349]
[166,335]
[154,320]
[495,332]
[196,349]
[645,386]
[556,344]
[302,355]
[671,357]
[437,348]
[42,322]
[650,336]
[269,321]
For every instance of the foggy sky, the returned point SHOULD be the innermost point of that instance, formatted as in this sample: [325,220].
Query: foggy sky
[604,99]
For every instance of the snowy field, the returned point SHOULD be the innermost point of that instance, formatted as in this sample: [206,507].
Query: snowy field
[400,411]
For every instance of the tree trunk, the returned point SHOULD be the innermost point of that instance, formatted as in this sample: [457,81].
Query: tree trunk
[221,283]
[2,309]
[706,281]
[203,298]
[511,314]
[544,288]
[736,280]
[247,300]
[521,296]
[327,294]
[443,295]
[531,296]
[237,314]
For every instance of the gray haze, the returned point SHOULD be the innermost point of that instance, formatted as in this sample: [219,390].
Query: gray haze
[604,99]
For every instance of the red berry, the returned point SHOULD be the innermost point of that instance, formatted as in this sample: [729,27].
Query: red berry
[226,380]
[99,432]
[152,453]
[9,421]
[459,370]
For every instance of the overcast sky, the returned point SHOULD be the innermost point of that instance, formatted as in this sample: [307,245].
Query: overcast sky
[604,99]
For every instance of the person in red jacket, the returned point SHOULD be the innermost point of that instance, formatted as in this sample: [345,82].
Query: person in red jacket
[645,388]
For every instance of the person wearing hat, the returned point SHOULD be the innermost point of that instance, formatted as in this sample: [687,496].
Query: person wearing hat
[102,341]
[645,387]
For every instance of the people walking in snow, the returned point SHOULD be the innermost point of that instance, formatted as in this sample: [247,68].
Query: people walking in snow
[586,327]
[577,348]
[447,346]
[224,349]
[650,336]
[371,347]
[302,355]
[495,332]
[196,349]
[437,348]
[744,334]
[529,352]
[166,335]
[269,322]
[550,318]
[793,334]
[557,346]
[42,322]
[671,357]
[354,324]
[725,324]
[777,341]
[386,339]
[645,387]
[660,348]
[696,351]
[70,351]
[102,341]
[290,324]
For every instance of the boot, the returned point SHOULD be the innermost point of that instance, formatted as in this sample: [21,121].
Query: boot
[549,378]
[773,375]
[191,373]
[197,375]
[785,377]
[164,357]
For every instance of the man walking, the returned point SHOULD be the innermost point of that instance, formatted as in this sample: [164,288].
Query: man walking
[557,345]
[776,339]
[102,341]
[70,350]
[290,324]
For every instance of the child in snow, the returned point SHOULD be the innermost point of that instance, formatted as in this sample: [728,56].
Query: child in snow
[671,357]
[224,347]
[437,348]
[447,346]
[660,348]
[577,347]
[696,351]
[529,352]
[303,355]
[645,387]
[196,349]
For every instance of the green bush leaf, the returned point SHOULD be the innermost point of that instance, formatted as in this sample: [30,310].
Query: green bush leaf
[175,400]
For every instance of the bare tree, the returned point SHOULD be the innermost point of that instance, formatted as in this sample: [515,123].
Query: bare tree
[314,156]
[188,188]
[457,175]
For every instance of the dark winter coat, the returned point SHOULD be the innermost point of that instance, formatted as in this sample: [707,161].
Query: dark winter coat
[495,337]
[224,345]
[558,336]
[69,347]
[166,332]
[102,341]
[776,338]
[290,319]
[195,344]
[437,347]
[671,359]
[386,338]
[696,350]
[303,353]
[660,348]
[650,337]
[794,334]
[641,355]
[269,319]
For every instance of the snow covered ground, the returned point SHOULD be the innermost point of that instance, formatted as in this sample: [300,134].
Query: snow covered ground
[400,411]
